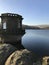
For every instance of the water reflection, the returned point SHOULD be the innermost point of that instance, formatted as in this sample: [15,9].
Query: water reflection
[37,41]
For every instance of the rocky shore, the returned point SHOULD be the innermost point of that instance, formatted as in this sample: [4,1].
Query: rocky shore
[20,57]
[10,55]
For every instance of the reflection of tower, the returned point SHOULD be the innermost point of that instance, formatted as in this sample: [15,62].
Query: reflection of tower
[11,27]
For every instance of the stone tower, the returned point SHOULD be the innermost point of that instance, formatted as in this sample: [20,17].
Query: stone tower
[11,23]
[11,27]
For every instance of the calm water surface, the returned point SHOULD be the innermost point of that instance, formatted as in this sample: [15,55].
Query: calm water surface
[36,41]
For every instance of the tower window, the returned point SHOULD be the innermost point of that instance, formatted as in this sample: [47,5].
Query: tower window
[4,25]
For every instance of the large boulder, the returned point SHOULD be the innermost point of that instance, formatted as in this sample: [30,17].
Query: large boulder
[5,51]
[22,57]
[9,55]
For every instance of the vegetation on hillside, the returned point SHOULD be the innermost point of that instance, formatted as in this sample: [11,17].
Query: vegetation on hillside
[36,27]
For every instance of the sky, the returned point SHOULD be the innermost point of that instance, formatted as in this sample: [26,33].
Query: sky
[34,12]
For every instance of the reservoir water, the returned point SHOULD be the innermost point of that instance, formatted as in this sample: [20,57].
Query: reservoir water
[36,41]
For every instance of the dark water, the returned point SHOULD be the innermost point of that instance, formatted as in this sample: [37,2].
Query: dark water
[37,41]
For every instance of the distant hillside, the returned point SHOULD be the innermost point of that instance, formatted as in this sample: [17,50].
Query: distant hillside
[43,26]
[30,27]
[36,27]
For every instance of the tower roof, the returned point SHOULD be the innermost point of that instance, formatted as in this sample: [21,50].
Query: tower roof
[10,15]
